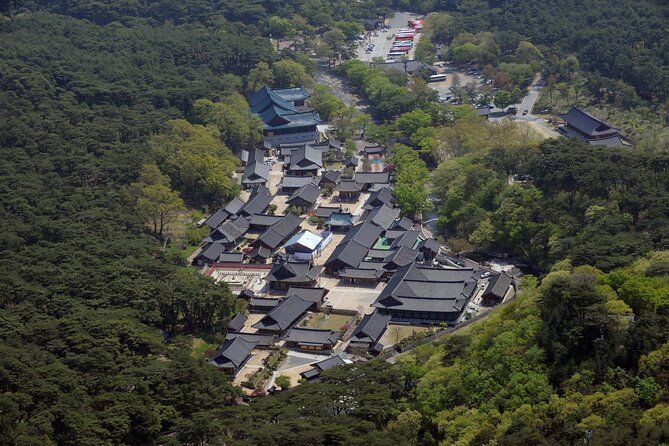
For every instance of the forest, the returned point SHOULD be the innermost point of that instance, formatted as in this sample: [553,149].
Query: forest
[117,116]
[622,40]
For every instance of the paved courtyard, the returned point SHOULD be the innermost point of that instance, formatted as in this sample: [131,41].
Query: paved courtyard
[350,297]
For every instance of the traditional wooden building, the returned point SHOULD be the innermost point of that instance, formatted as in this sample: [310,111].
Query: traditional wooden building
[583,125]
[285,118]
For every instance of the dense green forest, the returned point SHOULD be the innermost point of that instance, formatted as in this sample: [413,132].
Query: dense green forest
[625,40]
[115,117]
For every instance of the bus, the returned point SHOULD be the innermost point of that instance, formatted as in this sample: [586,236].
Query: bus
[395,54]
[403,50]
[404,43]
[401,38]
[437,78]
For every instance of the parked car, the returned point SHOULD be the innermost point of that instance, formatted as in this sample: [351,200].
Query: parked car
[524,112]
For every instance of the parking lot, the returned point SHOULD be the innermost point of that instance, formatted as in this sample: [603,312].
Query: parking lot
[383,40]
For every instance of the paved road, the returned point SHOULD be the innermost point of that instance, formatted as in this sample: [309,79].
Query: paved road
[531,98]
[533,93]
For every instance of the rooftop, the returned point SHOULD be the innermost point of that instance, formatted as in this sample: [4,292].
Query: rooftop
[312,336]
[415,288]
[284,315]
[588,124]
[371,328]
[305,238]
[233,353]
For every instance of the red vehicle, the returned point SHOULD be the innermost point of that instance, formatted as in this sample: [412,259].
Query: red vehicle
[404,37]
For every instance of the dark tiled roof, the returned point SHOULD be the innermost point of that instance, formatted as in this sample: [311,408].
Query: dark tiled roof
[404,223]
[379,198]
[332,361]
[265,220]
[234,206]
[312,336]
[340,219]
[430,244]
[409,239]
[325,211]
[293,94]
[305,196]
[279,231]
[211,252]
[291,270]
[348,186]
[371,328]
[403,256]
[247,294]
[229,232]
[612,141]
[216,219]
[305,157]
[260,252]
[265,94]
[357,273]
[372,177]
[256,172]
[587,123]
[354,246]
[309,294]
[415,288]
[277,112]
[291,182]
[237,322]
[351,161]
[382,216]
[330,176]
[498,285]
[233,352]
[261,302]
[261,340]
[284,314]
[373,150]
[257,203]
[231,257]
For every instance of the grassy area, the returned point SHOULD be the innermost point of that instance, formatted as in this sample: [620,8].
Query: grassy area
[200,345]
[328,321]
[395,333]
[334,166]
[184,253]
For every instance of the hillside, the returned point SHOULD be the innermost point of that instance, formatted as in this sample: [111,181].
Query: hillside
[118,124]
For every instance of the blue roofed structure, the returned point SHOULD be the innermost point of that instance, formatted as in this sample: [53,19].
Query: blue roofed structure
[285,118]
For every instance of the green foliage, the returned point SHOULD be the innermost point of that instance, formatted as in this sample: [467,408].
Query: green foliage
[411,177]
[324,102]
[283,381]
[288,73]
[196,160]
[389,98]
[551,216]
[239,128]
